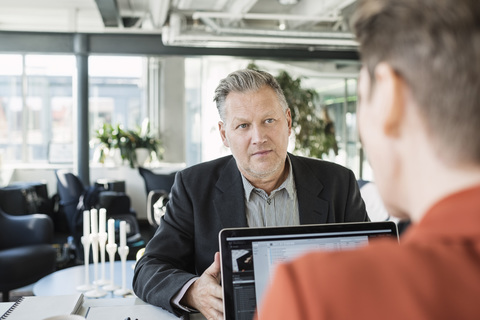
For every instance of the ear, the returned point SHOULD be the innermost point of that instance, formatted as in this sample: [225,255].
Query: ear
[392,88]
[288,115]
[221,128]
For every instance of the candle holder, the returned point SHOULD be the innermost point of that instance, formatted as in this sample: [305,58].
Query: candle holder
[96,292]
[111,249]
[86,256]
[102,240]
[123,252]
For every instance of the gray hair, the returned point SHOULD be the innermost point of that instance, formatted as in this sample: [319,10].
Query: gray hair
[243,81]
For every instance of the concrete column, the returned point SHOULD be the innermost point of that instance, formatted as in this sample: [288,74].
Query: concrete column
[172,109]
[82,168]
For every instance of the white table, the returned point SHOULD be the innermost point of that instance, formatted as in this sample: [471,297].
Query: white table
[129,303]
[65,281]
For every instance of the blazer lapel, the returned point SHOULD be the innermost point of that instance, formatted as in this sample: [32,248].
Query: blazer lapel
[230,205]
[312,208]
[229,200]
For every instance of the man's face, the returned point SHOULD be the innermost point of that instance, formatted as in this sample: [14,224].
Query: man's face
[256,130]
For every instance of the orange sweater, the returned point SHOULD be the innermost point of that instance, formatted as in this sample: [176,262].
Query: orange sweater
[433,274]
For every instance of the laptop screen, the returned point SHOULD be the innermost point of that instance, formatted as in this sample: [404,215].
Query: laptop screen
[249,255]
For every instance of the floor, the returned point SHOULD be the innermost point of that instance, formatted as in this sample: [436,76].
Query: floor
[61,238]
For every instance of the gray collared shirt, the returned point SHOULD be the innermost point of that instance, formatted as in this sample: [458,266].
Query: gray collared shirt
[278,209]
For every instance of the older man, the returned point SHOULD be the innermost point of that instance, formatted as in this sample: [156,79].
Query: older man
[259,185]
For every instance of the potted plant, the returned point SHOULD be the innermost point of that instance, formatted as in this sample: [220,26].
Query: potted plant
[141,144]
[107,139]
[135,146]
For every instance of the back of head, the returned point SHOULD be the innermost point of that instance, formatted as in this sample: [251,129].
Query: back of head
[434,45]
[243,81]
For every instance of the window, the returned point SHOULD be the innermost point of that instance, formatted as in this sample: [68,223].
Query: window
[35,103]
[37,106]
[116,90]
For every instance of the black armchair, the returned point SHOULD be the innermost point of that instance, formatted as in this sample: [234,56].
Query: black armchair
[75,197]
[156,181]
[26,253]
[157,187]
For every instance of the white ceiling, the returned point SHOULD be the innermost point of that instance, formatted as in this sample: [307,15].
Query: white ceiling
[227,23]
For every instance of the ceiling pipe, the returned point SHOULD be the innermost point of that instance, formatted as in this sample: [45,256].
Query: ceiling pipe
[176,34]
[159,11]
[239,7]
[261,16]
[325,8]
[277,33]
[201,39]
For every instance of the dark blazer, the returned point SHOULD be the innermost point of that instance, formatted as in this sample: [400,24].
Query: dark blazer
[208,197]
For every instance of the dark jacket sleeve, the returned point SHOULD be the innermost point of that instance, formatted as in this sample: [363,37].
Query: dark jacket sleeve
[185,243]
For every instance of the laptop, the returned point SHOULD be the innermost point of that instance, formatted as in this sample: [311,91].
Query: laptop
[248,255]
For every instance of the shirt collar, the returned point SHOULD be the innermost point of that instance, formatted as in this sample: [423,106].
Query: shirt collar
[288,184]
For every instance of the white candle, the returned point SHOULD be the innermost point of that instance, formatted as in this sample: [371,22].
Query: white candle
[123,234]
[103,217]
[111,231]
[94,220]
[86,223]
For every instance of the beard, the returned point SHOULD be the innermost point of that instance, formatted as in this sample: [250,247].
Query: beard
[267,170]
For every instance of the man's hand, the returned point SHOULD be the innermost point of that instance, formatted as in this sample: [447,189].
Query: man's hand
[205,294]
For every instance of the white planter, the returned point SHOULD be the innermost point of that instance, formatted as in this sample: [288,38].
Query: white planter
[117,157]
[142,155]
[112,157]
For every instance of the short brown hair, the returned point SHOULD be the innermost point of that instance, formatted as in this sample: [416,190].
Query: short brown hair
[434,45]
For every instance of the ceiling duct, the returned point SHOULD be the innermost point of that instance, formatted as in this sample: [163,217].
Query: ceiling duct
[178,33]
[109,12]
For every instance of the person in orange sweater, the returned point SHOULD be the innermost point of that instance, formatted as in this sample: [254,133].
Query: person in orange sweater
[418,116]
